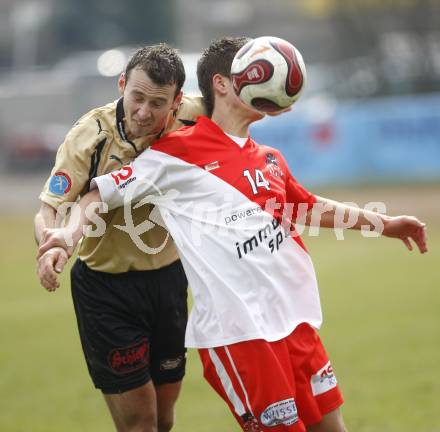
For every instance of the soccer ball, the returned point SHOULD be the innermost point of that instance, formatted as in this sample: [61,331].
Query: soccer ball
[268,73]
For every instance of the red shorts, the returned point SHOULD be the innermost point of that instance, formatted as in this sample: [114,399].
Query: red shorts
[275,386]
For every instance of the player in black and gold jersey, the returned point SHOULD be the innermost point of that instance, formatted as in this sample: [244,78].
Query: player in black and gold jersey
[130,305]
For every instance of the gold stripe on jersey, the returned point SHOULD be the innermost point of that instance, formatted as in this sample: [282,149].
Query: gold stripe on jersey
[97,145]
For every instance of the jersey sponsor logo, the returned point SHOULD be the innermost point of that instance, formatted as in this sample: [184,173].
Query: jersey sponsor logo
[212,166]
[241,215]
[60,183]
[170,364]
[125,184]
[129,359]
[323,380]
[282,412]
[273,234]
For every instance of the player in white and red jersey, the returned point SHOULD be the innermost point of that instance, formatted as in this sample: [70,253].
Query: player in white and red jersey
[229,204]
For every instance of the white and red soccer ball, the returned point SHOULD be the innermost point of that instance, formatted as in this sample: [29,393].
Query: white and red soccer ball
[268,73]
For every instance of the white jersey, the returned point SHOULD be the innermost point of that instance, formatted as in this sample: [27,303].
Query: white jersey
[223,205]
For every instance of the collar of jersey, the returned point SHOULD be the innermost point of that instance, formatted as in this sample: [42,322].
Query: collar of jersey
[120,114]
[215,128]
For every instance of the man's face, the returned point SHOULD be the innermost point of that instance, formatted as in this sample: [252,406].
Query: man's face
[146,104]
[251,113]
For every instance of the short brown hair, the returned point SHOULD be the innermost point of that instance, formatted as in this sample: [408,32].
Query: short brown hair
[161,63]
[216,59]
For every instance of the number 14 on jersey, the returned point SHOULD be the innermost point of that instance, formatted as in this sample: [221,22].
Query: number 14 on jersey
[256,181]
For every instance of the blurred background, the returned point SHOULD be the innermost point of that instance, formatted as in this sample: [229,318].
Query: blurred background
[370,112]
[366,129]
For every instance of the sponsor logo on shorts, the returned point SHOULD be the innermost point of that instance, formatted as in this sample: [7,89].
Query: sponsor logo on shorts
[282,412]
[60,183]
[323,380]
[129,359]
[170,364]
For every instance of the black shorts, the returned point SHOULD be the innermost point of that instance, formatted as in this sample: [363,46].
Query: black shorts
[132,325]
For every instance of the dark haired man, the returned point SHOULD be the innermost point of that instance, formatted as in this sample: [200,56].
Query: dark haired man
[256,301]
[130,306]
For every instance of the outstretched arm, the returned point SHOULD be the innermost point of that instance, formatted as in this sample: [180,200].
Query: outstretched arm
[327,213]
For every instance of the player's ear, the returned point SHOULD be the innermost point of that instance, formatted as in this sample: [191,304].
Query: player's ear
[220,84]
[122,83]
[177,101]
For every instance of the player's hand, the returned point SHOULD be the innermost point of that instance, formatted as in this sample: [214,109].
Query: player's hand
[49,265]
[407,228]
[55,237]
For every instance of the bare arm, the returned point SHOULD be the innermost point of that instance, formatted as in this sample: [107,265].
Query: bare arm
[56,245]
[45,218]
[69,177]
[327,213]
[69,236]
[53,261]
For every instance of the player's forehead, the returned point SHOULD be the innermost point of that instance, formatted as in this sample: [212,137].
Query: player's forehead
[139,82]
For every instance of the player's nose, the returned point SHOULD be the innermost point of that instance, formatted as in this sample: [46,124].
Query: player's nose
[144,113]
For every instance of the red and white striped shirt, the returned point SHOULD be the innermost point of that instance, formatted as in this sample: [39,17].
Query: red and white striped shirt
[222,204]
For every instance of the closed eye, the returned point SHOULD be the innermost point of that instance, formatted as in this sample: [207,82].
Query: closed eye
[158,103]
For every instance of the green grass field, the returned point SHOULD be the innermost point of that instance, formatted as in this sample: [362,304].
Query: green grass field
[382,330]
